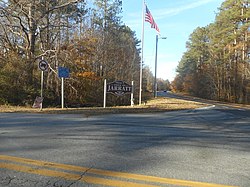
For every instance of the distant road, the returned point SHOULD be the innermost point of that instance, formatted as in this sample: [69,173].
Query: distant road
[202,147]
[191,98]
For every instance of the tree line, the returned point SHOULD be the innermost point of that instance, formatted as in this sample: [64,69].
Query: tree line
[216,63]
[89,39]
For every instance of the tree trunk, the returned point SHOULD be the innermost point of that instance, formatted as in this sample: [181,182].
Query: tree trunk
[31,45]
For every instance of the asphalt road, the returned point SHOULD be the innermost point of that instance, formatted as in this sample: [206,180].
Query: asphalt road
[202,147]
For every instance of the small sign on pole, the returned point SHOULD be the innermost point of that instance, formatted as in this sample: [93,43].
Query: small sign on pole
[43,65]
[63,72]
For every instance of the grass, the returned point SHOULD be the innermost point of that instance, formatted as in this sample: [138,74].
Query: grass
[154,105]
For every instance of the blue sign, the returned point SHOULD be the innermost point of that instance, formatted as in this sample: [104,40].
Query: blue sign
[63,72]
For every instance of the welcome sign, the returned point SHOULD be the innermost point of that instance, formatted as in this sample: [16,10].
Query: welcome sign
[119,88]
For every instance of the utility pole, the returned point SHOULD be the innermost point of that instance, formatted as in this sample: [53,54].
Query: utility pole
[156,51]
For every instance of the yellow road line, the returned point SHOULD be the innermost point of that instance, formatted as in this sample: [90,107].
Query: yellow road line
[112,173]
[69,176]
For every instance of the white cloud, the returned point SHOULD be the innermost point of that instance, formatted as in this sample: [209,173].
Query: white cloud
[162,13]
[134,18]
[167,12]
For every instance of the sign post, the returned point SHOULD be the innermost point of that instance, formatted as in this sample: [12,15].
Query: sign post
[63,73]
[41,106]
[132,94]
[105,93]
[62,92]
[43,66]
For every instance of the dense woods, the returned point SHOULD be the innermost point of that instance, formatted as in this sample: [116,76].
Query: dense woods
[216,64]
[89,39]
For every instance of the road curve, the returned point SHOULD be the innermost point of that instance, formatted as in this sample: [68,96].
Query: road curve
[208,146]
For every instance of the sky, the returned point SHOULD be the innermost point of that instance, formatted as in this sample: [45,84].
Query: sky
[176,19]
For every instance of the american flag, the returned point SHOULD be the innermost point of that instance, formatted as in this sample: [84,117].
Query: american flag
[149,18]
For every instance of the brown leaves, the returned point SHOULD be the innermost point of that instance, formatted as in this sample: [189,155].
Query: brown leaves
[87,74]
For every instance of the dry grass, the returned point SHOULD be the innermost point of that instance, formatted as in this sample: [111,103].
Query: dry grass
[155,105]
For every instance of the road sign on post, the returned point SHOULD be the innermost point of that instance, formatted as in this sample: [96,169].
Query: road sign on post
[63,73]
[43,65]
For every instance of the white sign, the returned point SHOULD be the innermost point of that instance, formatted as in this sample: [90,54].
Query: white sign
[38,102]
[119,88]
[43,65]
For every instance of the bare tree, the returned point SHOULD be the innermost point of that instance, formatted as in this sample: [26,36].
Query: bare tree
[24,22]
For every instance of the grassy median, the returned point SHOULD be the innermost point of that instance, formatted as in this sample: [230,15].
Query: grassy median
[154,105]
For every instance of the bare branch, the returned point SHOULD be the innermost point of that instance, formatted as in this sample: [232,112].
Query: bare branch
[45,53]
[23,29]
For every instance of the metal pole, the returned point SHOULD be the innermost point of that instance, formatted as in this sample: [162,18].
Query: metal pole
[41,106]
[155,82]
[104,93]
[62,94]
[142,45]
[132,94]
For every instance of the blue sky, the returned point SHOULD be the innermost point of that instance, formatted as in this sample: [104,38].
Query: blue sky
[176,20]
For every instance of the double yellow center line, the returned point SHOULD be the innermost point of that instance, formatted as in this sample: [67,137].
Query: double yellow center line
[99,177]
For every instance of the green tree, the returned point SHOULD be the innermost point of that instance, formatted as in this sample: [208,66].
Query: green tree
[216,62]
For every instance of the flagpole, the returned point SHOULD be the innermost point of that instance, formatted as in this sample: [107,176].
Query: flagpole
[142,45]
[155,81]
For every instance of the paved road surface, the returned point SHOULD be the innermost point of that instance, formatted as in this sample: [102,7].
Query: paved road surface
[202,147]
